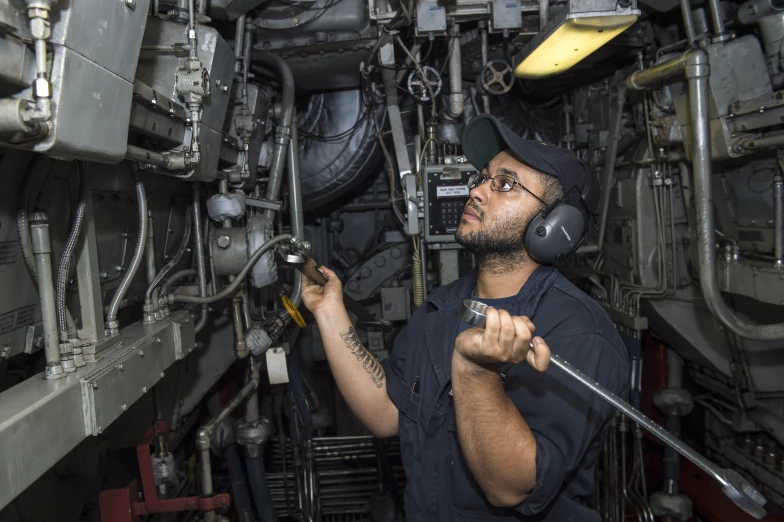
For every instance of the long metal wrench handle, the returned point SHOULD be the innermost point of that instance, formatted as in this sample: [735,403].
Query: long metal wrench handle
[734,486]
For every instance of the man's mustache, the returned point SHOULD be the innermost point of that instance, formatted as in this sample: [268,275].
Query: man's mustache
[476,209]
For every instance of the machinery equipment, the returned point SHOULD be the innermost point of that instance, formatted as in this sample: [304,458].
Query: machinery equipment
[170,167]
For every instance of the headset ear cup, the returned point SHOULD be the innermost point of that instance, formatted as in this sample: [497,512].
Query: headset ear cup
[555,236]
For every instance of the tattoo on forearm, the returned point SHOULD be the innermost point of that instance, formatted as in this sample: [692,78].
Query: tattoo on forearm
[351,339]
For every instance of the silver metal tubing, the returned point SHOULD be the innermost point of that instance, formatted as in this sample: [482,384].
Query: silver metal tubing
[198,241]
[688,22]
[778,207]
[455,106]
[136,260]
[65,261]
[295,203]
[42,250]
[283,132]
[716,18]
[770,141]
[240,346]
[239,39]
[176,276]
[706,229]
[186,236]
[483,32]
[694,63]
[152,270]
[170,161]
[25,243]
[226,292]
[544,13]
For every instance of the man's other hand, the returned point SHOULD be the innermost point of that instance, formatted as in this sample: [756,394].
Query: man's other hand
[504,340]
[319,298]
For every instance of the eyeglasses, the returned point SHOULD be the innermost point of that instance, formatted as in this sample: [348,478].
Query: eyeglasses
[499,183]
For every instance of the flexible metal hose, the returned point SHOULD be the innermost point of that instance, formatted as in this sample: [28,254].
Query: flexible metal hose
[176,259]
[65,261]
[26,244]
[136,260]
[229,290]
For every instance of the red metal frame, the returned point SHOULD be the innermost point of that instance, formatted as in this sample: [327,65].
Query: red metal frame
[122,505]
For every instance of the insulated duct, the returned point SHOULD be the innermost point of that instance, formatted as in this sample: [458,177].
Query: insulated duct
[338,146]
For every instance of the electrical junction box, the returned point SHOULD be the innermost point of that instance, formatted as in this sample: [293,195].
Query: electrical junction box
[446,193]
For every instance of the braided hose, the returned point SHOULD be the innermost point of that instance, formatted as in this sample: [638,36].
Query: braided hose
[26,243]
[65,261]
[136,260]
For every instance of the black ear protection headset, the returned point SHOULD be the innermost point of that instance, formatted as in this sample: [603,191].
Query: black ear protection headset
[557,231]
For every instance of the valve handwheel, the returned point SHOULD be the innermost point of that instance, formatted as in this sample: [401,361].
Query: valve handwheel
[417,85]
[496,77]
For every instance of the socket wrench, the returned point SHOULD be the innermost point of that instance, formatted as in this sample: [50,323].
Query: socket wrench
[738,489]
[305,262]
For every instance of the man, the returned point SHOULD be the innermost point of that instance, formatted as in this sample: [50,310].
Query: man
[484,435]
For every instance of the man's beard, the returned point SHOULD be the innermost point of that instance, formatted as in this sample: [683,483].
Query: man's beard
[498,246]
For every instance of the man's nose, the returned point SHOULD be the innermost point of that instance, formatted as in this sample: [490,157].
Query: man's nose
[480,194]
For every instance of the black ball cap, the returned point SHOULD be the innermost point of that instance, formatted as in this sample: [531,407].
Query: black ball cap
[484,137]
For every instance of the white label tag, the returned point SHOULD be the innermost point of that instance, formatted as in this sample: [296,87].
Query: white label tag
[451,191]
[276,366]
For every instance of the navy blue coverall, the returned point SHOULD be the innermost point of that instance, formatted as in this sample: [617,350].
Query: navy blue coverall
[568,422]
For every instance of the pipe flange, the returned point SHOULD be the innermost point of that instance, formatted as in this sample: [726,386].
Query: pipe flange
[69,365]
[54,372]
[253,433]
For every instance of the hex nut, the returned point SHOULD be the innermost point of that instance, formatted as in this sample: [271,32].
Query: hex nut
[40,28]
[42,88]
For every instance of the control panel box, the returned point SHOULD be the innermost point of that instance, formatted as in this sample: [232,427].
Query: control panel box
[446,193]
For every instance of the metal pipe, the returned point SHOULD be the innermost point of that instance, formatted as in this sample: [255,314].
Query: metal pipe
[240,276]
[239,39]
[778,209]
[716,18]
[688,22]
[198,242]
[765,142]
[544,13]
[240,346]
[65,262]
[697,73]
[136,260]
[296,213]
[42,250]
[176,276]
[778,205]
[186,236]
[171,161]
[151,268]
[455,106]
[283,132]
[483,32]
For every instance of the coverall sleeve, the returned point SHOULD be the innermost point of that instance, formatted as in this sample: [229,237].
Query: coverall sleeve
[565,417]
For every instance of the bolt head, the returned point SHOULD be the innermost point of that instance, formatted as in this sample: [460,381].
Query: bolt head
[144,389]
[130,4]
[124,407]
[5,351]
[224,241]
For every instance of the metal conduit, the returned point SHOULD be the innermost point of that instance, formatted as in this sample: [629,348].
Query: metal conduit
[695,65]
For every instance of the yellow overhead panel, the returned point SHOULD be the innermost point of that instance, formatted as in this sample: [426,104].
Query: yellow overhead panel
[572,41]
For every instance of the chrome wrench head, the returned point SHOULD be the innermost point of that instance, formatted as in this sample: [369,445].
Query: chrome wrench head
[473,313]
[740,491]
